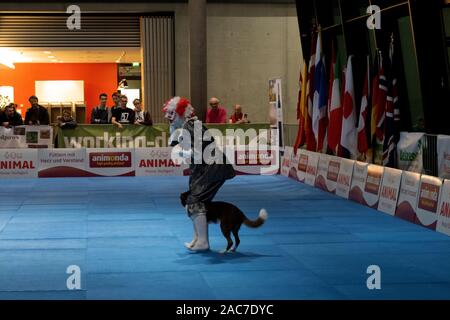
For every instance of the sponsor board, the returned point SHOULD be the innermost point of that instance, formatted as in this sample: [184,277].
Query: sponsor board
[158,162]
[18,163]
[358,182]
[311,169]
[344,178]
[389,190]
[22,137]
[110,162]
[322,172]
[302,164]
[410,151]
[443,223]
[334,166]
[443,151]
[372,186]
[286,161]
[407,198]
[62,163]
[427,201]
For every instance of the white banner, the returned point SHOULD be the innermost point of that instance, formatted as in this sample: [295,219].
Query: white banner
[443,153]
[322,172]
[344,180]
[427,201]
[302,166]
[158,162]
[62,163]
[311,170]
[443,224]
[22,137]
[372,186]
[410,152]
[407,198]
[358,182]
[286,161]
[334,166]
[389,190]
[293,166]
[110,162]
[18,163]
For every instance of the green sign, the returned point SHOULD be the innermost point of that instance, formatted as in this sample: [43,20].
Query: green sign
[136,136]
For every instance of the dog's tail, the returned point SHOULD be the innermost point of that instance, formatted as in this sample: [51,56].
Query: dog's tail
[259,221]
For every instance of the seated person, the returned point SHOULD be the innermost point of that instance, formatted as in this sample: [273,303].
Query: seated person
[99,114]
[66,121]
[141,117]
[37,114]
[122,115]
[10,117]
[238,117]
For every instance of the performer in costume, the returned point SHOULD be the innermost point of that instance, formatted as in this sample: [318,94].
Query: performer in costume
[205,179]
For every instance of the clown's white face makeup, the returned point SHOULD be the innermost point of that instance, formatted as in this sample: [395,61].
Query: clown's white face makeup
[170,115]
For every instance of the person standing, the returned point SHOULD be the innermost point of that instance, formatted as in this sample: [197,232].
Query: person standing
[37,114]
[141,117]
[99,114]
[122,115]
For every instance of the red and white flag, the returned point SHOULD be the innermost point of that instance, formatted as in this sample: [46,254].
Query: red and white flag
[334,105]
[363,145]
[348,136]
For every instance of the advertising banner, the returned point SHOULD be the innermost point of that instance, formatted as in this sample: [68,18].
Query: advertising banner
[443,153]
[344,180]
[286,161]
[311,170]
[22,137]
[18,163]
[293,168]
[302,165]
[410,152]
[372,186]
[334,166]
[110,162]
[322,171]
[62,163]
[427,201]
[276,112]
[443,224]
[389,190]
[407,198]
[158,162]
[358,182]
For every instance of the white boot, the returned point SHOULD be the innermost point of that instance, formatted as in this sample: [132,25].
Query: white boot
[189,245]
[201,226]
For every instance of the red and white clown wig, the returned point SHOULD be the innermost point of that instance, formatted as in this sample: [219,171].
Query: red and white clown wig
[177,110]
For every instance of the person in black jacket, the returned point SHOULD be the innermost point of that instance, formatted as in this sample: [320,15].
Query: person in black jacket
[66,121]
[11,118]
[99,114]
[37,114]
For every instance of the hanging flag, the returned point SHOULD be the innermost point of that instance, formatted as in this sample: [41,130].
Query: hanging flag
[348,136]
[379,91]
[363,145]
[334,104]
[392,111]
[301,110]
[310,139]
[319,118]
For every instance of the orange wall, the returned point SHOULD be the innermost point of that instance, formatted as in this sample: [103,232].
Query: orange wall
[97,77]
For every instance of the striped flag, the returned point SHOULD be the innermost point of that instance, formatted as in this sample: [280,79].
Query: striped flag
[379,91]
[334,105]
[319,118]
[310,139]
[363,145]
[392,111]
[301,109]
[348,136]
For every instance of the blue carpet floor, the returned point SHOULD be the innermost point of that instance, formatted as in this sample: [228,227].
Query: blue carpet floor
[127,234]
